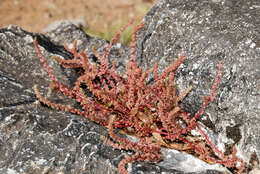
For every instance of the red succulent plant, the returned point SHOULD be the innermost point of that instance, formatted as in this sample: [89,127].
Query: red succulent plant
[126,102]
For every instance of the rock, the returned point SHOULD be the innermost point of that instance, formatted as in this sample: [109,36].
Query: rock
[37,139]
[209,32]
[34,138]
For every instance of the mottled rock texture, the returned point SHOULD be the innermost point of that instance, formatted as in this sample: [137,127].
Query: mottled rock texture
[37,139]
[208,32]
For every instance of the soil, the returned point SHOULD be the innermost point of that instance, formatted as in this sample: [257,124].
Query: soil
[97,15]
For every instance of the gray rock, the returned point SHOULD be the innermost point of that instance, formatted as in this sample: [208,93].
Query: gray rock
[37,139]
[209,32]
